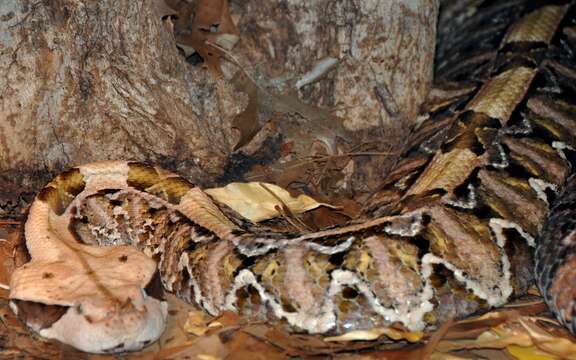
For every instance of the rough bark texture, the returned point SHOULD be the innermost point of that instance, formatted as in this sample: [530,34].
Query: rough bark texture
[385,51]
[88,80]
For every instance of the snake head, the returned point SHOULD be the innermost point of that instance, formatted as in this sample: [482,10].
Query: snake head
[97,299]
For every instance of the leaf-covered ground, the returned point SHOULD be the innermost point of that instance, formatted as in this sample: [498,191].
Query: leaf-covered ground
[521,330]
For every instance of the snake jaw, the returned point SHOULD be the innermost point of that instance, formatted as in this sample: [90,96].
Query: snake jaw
[126,328]
[96,299]
[127,322]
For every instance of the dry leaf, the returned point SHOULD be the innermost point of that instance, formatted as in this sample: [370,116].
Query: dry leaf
[323,217]
[175,337]
[254,201]
[184,11]
[247,121]
[446,171]
[472,327]
[498,337]
[444,356]
[521,337]
[528,353]
[9,241]
[207,357]
[212,25]
[246,346]
[506,331]
[372,334]
[225,320]
[196,323]
[205,346]
[549,343]
[491,354]
[304,346]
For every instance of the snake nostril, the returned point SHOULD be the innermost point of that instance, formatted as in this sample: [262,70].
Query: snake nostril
[349,293]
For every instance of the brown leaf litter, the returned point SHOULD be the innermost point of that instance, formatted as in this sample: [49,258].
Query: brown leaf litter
[522,330]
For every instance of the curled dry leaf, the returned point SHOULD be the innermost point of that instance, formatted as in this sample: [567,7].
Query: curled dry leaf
[473,327]
[551,344]
[373,334]
[498,338]
[246,122]
[446,171]
[212,25]
[523,337]
[196,323]
[258,201]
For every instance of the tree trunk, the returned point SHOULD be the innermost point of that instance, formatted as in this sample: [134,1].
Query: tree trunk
[89,80]
[385,51]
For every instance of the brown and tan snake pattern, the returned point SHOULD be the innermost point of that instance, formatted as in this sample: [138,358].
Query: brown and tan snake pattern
[454,231]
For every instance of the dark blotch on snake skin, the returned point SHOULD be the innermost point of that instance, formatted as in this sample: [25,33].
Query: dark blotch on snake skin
[62,190]
[37,315]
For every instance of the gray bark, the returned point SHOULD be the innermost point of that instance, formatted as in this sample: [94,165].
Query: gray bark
[383,45]
[88,80]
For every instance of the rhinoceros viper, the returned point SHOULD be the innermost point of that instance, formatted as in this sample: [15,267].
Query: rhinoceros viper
[460,213]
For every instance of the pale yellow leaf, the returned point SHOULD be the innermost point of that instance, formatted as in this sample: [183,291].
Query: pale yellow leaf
[373,334]
[529,353]
[196,323]
[498,337]
[253,200]
[523,339]
[560,347]
[207,357]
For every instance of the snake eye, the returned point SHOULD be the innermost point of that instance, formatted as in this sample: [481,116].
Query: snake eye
[337,259]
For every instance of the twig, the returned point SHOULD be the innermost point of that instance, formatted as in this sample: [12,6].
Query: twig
[285,211]
[330,157]
[9,222]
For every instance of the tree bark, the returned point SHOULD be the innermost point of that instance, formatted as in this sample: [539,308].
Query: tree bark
[89,80]
[385,51]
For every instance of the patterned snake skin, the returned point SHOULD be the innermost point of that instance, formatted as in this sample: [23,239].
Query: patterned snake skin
[453,233]
[556,257]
